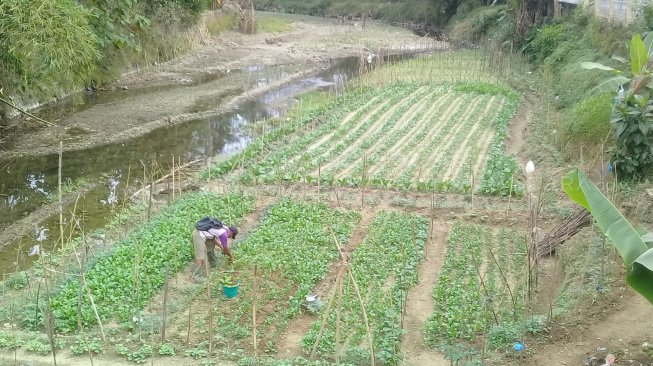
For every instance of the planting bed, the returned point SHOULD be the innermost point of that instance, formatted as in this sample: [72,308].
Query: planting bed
[407,136]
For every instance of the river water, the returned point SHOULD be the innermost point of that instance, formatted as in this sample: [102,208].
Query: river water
[29,183]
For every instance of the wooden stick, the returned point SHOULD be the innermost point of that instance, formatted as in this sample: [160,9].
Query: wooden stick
[319,180]
[255,295]
[165,303]
[367,324]
[190,304]
[326,315]
[208,300]
[338,309]
[172,172]
[60,194]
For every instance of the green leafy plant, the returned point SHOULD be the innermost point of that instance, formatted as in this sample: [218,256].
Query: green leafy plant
[166,349]
[632,115]
[17,280]
[634,247]
[125,279]
[196,352]
[83,346]
[10,340]
[141,354]
[229,279]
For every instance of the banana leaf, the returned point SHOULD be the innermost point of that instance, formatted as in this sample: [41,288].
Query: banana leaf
[638,258]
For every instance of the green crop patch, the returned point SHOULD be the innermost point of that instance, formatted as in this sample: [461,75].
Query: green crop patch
[384,266]
[407,136]
[292,249]
[123,281]
[465,306]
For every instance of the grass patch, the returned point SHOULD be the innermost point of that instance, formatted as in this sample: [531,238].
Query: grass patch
[273,25]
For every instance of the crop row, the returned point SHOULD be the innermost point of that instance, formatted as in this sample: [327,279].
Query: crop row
[384,266]
[407,137]
[123,281]
[292,249]
[480,283]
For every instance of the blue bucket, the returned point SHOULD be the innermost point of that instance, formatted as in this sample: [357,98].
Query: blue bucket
[230,291]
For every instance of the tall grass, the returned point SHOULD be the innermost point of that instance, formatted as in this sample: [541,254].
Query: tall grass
[220,23]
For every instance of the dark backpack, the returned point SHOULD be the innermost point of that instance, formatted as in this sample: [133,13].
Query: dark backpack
[207,223]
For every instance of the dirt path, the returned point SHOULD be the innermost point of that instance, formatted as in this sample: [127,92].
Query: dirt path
[517,129]
[420,303]
[622,332]
[289,343]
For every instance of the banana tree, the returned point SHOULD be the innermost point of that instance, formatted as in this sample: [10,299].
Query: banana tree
[636,248]
[632,114]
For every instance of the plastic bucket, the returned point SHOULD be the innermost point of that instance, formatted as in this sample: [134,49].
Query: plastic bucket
[230,291]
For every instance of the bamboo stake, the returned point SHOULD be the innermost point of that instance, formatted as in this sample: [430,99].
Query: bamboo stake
[209,300]
[255,297]
[319,180]
[326,315]
[190,304]
[338,309]
[60,194]
[165,303]
[179,177]
[172,173]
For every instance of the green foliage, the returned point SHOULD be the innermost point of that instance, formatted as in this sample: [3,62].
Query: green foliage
[197,352]
[589,119]
[373,264]
[545,41]
[637,256]
[166,349]
[32,317]
[46,45]
[84,345]
[41,345]
[485,88]
[632,120]
[463,307]
[501,175]
[17,280]
[10,340]
[503,335]
[141,354]
[124,280]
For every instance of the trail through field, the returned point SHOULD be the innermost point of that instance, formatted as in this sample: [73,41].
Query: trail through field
[289,343]
[420,302]
[518,127]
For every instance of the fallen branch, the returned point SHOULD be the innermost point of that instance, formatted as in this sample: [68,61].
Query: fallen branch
[563,232]
[12,105]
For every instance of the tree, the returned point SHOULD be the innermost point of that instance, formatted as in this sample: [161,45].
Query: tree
[636,248]
[632,123]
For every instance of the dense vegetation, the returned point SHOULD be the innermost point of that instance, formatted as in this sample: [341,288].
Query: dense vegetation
[55,46]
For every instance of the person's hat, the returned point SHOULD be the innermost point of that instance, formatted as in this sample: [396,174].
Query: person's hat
[234,231]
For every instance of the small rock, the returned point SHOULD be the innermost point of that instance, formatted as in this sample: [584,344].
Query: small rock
[124,88]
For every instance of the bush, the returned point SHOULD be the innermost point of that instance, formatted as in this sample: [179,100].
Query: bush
[546,40]
[589,120]
[46,45]
[220,23]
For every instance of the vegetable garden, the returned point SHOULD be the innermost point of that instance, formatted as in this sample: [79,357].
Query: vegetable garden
[411,139]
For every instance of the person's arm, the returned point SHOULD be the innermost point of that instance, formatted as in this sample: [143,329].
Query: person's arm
[225,246]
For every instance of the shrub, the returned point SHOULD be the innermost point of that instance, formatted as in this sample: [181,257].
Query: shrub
[546,40]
